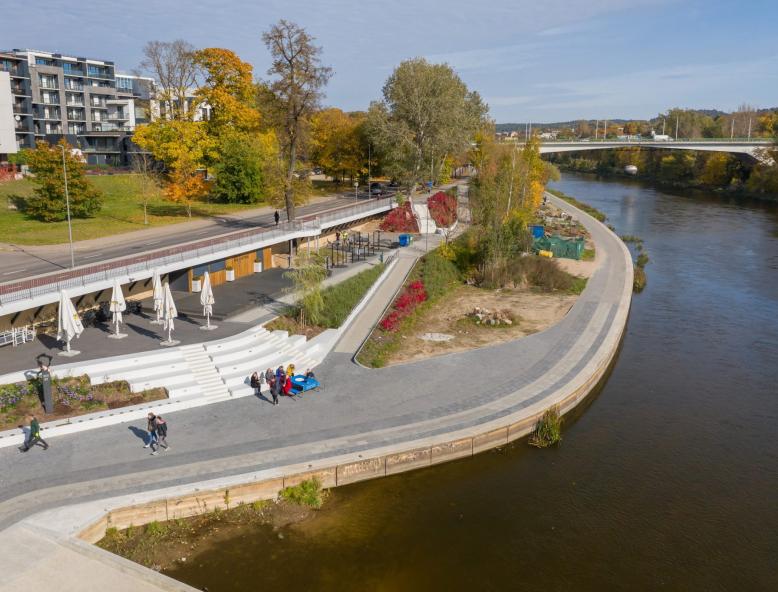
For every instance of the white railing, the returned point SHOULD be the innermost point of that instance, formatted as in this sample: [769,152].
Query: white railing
[142,264]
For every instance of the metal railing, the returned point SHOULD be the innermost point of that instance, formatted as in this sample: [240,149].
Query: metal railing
[82,276]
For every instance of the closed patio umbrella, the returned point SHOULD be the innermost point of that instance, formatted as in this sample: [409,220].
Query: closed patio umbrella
[169,313]
[117,307]
[206,299]
[69,325]
[158,296]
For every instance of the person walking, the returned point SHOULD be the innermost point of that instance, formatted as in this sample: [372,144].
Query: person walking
[151,428]
[161,430]
[275,389]
[256,383]
[34,436]
[277,217]
[268,376]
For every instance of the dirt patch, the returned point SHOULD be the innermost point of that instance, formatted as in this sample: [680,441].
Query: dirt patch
[532,312]
[293,326]
[580,268]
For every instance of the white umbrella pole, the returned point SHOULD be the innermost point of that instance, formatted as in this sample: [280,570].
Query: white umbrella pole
[208,320]
[67,345]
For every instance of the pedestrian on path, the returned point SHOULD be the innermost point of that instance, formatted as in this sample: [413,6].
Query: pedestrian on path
[161,430]
[151,428]
[34,436]
[275,389]
[277,217]
[268,376]
[256,383]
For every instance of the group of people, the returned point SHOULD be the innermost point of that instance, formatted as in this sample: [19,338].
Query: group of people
[157,429]
[278,382]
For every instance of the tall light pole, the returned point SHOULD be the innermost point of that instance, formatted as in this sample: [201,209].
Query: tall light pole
[368,171]
[67,207]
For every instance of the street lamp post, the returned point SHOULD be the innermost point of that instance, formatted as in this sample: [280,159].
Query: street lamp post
[67,207]
[356,190]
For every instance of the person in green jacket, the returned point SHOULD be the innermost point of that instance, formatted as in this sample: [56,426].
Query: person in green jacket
[34,436]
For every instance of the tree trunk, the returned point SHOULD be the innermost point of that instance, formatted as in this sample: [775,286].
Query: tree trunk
[288,190]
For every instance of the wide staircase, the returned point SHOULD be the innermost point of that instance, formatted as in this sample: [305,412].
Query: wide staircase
[216,370]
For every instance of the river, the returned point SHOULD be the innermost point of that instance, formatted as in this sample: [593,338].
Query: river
[666,479]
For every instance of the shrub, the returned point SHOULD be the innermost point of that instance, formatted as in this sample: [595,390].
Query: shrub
[400,219]
[443,209]
[413,295]
[549,429]
[306,493]
[638,279]
[438,274]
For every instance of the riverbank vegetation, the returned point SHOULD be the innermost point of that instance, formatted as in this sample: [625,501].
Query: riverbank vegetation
[164,545]
[72,396]
[591,210]
[548,430]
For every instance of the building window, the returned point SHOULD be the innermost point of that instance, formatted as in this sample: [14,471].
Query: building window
[46,81]
[44,61]
[50,98]
[72,69]
[124,83]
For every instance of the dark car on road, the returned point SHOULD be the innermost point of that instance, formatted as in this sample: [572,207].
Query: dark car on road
[377,189]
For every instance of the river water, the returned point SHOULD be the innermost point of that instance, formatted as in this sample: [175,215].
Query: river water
[667,478]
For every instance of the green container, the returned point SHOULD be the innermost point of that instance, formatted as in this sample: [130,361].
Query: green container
[571,248]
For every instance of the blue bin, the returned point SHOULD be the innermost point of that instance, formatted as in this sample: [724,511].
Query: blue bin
[537,231]
[405,240]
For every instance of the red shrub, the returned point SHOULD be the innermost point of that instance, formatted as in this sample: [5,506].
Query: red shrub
[400,219]
[412,296]
[443,209]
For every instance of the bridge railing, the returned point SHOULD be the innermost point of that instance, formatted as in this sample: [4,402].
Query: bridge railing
[84,275]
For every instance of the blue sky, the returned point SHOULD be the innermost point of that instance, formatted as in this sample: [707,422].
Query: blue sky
[532,60]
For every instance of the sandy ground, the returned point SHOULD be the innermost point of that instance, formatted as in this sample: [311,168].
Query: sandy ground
[579,268]
[532,312]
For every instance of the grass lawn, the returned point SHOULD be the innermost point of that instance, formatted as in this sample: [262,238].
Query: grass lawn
[122,211]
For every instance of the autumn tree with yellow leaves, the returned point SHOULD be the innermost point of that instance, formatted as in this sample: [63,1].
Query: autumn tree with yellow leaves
[339,143]
[504,198]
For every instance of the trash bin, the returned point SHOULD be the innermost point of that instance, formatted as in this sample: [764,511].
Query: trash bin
[404,240]
[537,230]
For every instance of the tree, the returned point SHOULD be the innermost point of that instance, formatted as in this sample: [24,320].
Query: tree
[297,87]
[172,64]
[49,205]
[183,147]
[228,87]
[307,277]
[716,171]
[338,145]
[247,171]
[427,112]
[148,171]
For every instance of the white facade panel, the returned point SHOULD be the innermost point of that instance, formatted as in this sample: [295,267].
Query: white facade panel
[7,124]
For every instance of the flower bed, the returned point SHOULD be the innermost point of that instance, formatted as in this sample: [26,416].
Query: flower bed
[72,396]
[404,305]
[443,209]
[400,219]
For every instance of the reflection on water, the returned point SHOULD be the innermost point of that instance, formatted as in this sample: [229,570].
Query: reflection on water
[668,480]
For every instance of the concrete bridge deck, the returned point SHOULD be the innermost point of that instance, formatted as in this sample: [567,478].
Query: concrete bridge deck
[442,408]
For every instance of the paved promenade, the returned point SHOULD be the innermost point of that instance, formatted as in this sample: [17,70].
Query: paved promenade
[358,410]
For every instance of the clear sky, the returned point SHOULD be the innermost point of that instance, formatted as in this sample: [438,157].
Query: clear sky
[532,60]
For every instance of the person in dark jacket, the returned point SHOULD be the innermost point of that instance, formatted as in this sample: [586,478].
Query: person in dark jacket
[34,436]
[256,383]
[160,426]
[275,389]
[268,376]
[151,428]
[277,217]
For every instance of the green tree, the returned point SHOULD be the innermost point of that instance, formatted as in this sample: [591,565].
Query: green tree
[307,278]
[246,171]
[46,162]
[427,112]
[298,80]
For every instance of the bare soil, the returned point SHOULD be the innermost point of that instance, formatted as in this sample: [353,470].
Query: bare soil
[532,312]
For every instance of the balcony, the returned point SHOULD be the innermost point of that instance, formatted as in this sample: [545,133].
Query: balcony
[118,117]
[70,86]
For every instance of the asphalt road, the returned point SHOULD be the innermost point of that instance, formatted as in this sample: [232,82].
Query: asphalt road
[20,262]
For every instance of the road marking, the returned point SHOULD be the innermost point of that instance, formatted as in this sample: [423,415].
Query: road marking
[15,271]
[153,242]
[91,256]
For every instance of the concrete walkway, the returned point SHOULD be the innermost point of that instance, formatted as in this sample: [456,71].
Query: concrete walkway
[359,411]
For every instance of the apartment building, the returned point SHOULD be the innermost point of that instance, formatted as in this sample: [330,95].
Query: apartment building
[86,101]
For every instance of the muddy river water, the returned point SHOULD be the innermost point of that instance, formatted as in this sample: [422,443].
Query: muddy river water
[667,478]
